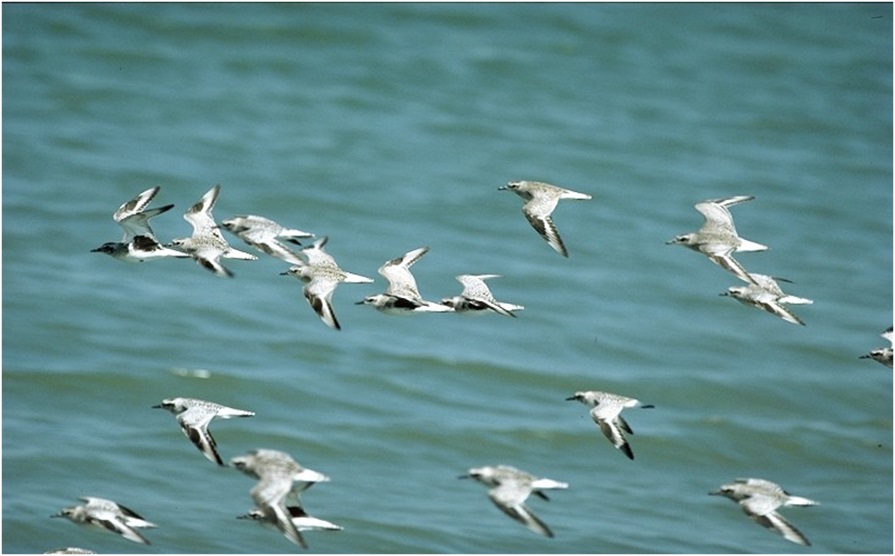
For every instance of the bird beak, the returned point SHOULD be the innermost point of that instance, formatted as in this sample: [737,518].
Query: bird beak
[464,477]
[571,398]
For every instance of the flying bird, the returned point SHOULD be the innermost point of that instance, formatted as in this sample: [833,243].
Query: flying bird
[510,487]
[540,201]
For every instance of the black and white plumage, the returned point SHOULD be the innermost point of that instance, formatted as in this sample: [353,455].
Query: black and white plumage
[476,297]
[300,518]
[883,354]
[510,487]
[265,234]
[108,515]
[764,293]
[276,493]
[138,243]
[207,245]
[718,239]
[321,274]
[194,416]
[540,201]
[402,297]
[606,412]
[760,499]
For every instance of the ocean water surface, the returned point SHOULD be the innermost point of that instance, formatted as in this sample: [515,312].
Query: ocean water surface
[387,127]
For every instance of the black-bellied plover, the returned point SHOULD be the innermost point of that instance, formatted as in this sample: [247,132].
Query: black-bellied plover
[883,354]
[138,243]
[760,499]
[300,518]
[764,293]
[540,201]
[108,515]
[207,245]
[510,487]
[606,412]
[321,274]
[194,416]
[281,479]
[718,239]
[263,234]
[402,297]
[476,297]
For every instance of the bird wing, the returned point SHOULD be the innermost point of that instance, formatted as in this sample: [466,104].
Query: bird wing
[778,523]
[200,217]
[194,423]
[537,211]
[509,497]
[135,205]
[270,496]
[725,260]
[401,282]
[476,290]
[108,520]
[319,292]
[775,308]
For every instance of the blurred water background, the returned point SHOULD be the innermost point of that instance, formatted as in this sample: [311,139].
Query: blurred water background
[390,126]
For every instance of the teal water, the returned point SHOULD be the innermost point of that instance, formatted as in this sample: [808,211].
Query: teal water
[390,126]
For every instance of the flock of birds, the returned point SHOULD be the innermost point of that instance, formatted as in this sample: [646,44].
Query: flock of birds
[717,240]
[280,479]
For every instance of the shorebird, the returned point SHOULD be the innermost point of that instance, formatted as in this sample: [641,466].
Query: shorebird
[718,239]
[194,416]
[606,412]
[108,515]
[300,518]
[281,479]
[138,243]
[476,297]
[402,296]
[760,499]
[883,354]
[510,487]
[263,234]
[321,274]
[764,293]
[207,245]
[540,201]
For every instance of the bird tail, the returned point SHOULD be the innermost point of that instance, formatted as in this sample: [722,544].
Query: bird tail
[292,235]
[569,194]
[746,245]
[357,279]
[800,501]
[793,300]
